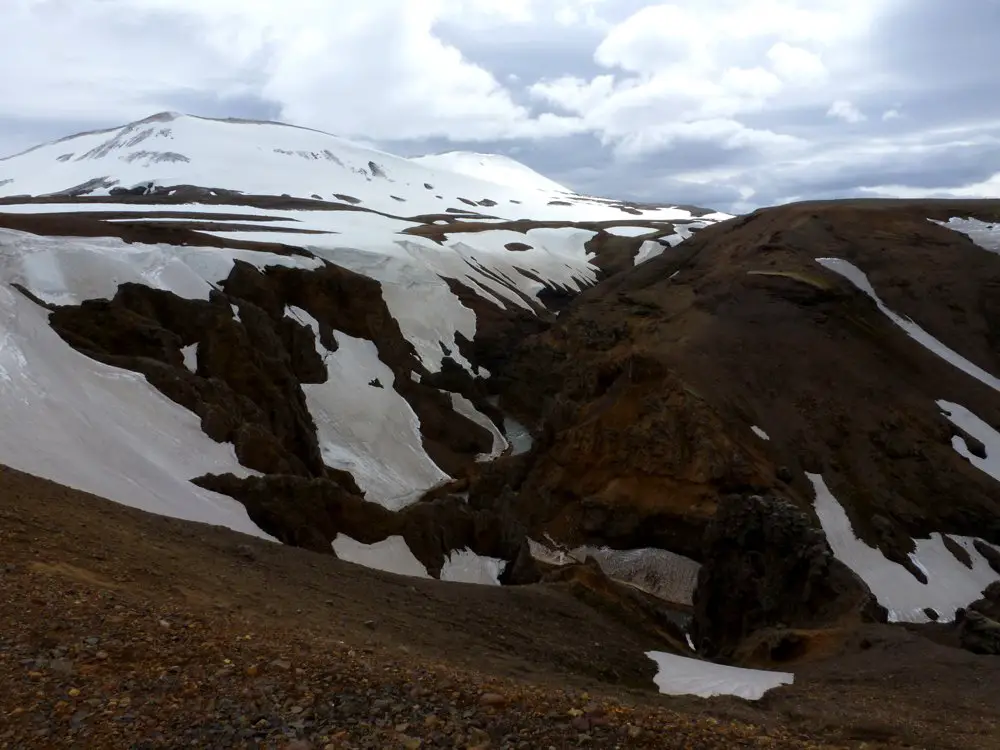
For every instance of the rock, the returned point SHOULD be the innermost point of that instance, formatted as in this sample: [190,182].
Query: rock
[991,554]
[580,723]
[492,699]
[523,569]
[989,605]
[766,565]
[61,666]
[979,634]
[410,743]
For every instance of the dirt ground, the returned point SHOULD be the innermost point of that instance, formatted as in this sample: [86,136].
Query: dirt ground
[124,629]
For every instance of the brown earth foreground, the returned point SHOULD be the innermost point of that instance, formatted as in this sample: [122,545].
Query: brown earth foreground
[124,629]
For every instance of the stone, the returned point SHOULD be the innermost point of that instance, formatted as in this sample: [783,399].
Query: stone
[766,565]
[492,699]
[979,634]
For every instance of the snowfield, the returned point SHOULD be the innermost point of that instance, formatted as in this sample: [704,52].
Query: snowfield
[263,158]
[102,429]
[495,168]
[679,675]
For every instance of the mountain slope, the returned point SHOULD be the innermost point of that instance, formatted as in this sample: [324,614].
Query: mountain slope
[263,158]
[839,355]
[495,168]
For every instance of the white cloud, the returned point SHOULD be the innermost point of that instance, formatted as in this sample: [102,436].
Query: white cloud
[693,70]
[891,114]
[846,111]
[376,68]
[795,64]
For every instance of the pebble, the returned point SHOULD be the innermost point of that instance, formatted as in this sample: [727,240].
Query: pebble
[492,699]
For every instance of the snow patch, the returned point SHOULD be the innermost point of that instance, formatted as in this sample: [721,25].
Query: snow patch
[371,432]
[760,433]
[467,409]
[950,584]
[190,354]
[392,555]
[630,231]
[977,428]
[465,566]
[681,675]
[985,234]
[648,249]
[857,277]
[69,270]
[102,429]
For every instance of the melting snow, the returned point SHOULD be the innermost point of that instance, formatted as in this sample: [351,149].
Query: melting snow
[369,431]
[392,555]
[630,231]
[977,428]
[649,249]
[950,583]
[857,277]
[465,566]
[985,234]
[760,433]
[466,408]
[659,572]
[190,354]
[102,429]
[680,675]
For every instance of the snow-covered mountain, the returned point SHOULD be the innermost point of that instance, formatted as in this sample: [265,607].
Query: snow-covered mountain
[496,168]
[425,255]
[265,158]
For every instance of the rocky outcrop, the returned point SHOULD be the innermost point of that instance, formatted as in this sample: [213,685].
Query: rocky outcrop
[252,360]
[980,634]
[979,625]
[766,565]
[311,512]
[636,609]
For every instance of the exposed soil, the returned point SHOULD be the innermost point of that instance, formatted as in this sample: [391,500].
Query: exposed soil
[653,379]
[123,629]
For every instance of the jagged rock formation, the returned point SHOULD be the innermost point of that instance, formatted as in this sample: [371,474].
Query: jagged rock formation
[979,626]
[766,566]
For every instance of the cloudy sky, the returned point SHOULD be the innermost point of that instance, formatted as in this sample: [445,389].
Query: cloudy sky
[729,103]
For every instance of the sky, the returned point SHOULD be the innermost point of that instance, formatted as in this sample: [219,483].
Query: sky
[731,104]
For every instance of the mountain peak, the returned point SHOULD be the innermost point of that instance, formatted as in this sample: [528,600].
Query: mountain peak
[497,168]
